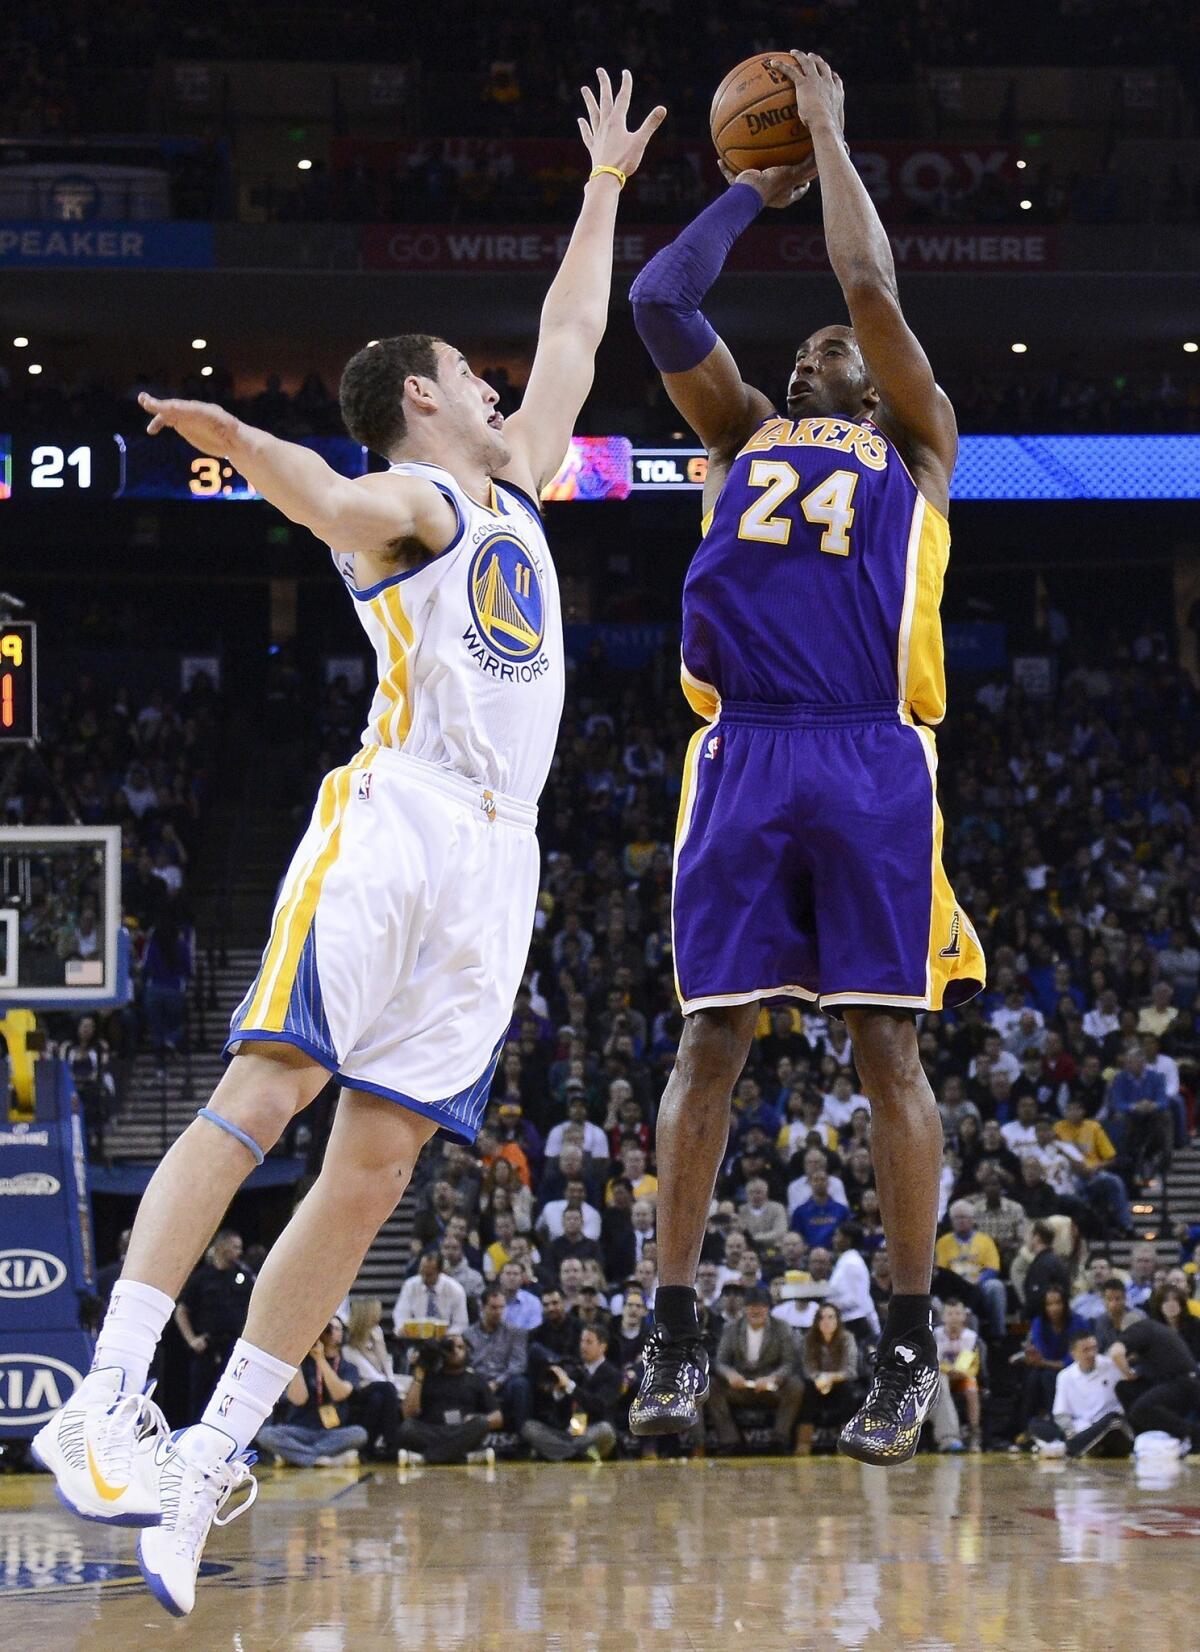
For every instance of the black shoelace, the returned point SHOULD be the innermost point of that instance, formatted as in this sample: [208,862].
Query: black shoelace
[672,1355]
[893,1382]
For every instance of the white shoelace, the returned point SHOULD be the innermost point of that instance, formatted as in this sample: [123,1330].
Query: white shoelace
[133,1418]
[203,1495]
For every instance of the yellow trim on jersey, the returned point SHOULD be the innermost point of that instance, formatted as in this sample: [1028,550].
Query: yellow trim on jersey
[268,1008]
[706,522]
[683,821]
[701,696]
[393,724]
[954,949]
[924,685]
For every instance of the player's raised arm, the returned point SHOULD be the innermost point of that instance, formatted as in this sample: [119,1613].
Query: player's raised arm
[700,374]
[381,513]
[911,400]
[575,312]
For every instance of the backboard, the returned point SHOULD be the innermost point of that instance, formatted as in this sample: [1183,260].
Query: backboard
[62,945]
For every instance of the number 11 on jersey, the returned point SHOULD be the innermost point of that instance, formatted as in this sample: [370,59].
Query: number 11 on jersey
[828,505]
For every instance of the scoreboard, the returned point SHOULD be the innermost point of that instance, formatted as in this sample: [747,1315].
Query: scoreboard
[56,466]
[63,468]
[18,681]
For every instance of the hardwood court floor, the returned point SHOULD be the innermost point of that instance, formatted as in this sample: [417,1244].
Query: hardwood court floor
[942,1555]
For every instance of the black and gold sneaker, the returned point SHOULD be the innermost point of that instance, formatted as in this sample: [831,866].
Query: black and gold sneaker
[674,1385]
[887,1426]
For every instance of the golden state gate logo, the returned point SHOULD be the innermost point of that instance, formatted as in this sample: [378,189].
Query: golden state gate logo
[509,610]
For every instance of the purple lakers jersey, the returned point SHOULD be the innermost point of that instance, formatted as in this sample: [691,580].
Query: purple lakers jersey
[819,578]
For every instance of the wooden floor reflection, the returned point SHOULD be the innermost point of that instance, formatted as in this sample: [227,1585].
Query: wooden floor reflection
[943,1555]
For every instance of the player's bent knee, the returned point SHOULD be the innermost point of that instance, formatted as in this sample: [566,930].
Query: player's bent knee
[261,1093]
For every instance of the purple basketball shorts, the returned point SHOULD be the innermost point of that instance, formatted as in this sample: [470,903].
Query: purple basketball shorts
[808,864]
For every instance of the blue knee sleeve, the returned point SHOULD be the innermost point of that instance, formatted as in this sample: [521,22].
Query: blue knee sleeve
[232,1130]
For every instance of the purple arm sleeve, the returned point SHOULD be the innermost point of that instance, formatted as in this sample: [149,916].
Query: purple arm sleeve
[666,295]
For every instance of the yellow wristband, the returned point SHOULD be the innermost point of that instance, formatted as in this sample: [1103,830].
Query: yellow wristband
[620,176]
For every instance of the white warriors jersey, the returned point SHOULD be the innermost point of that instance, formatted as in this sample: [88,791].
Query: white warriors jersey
[469,645]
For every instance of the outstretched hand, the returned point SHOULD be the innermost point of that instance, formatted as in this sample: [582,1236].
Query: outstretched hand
[605,131]
[205,425]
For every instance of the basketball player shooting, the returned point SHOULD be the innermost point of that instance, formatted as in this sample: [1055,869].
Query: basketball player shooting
[808,854]
[403,924]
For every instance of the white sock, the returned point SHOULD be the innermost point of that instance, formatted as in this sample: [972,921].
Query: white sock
[244,1398]
[132,1326]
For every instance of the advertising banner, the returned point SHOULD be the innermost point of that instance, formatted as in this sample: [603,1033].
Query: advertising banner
[513,248]
[46,1260]
[905,179]
[29,245]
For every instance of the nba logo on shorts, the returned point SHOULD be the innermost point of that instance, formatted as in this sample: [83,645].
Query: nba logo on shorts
[712,747]
[364,786]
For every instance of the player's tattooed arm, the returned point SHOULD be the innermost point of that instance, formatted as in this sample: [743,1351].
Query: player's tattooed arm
[384,514]
[575,312]
[913,407]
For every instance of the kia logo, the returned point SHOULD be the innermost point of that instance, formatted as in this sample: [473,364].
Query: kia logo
[33,1387]
[30,1273]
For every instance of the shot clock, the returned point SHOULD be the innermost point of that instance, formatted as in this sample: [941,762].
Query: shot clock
[18,681]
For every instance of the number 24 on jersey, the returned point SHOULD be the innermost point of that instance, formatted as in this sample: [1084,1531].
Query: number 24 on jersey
[827,506]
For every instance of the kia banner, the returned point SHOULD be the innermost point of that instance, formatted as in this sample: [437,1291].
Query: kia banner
[46,1263]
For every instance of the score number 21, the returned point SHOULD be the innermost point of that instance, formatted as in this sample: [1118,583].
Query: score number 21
[47,465]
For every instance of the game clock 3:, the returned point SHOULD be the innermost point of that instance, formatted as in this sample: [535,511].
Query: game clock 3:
[208,477]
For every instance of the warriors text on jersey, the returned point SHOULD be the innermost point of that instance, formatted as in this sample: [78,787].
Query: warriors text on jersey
[808,856]
[468,645]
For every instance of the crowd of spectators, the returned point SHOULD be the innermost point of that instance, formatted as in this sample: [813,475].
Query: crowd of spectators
[144,763]
[514,74]
[512,78]
[1066,396]
[1064,1091]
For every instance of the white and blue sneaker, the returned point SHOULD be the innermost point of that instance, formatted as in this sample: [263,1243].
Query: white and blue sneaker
[197,1476]
[100,1449]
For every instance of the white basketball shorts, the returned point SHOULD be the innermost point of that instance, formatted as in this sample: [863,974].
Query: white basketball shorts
[400,935]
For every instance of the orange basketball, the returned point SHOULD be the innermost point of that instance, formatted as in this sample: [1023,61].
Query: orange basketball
[753,119]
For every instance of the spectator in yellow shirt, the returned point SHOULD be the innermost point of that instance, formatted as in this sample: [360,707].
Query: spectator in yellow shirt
[1160,1014]
[1089,1149]
[967,1265]
[633,1166]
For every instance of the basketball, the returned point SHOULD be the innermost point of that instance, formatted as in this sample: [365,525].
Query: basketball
[753,118]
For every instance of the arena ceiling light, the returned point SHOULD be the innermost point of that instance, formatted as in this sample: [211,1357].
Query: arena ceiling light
[304,166]
[20,342]
[199,344]
[1025,205]
[1021,165]
[206,372]
[1019,349]
[35,368]
[1191,346]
